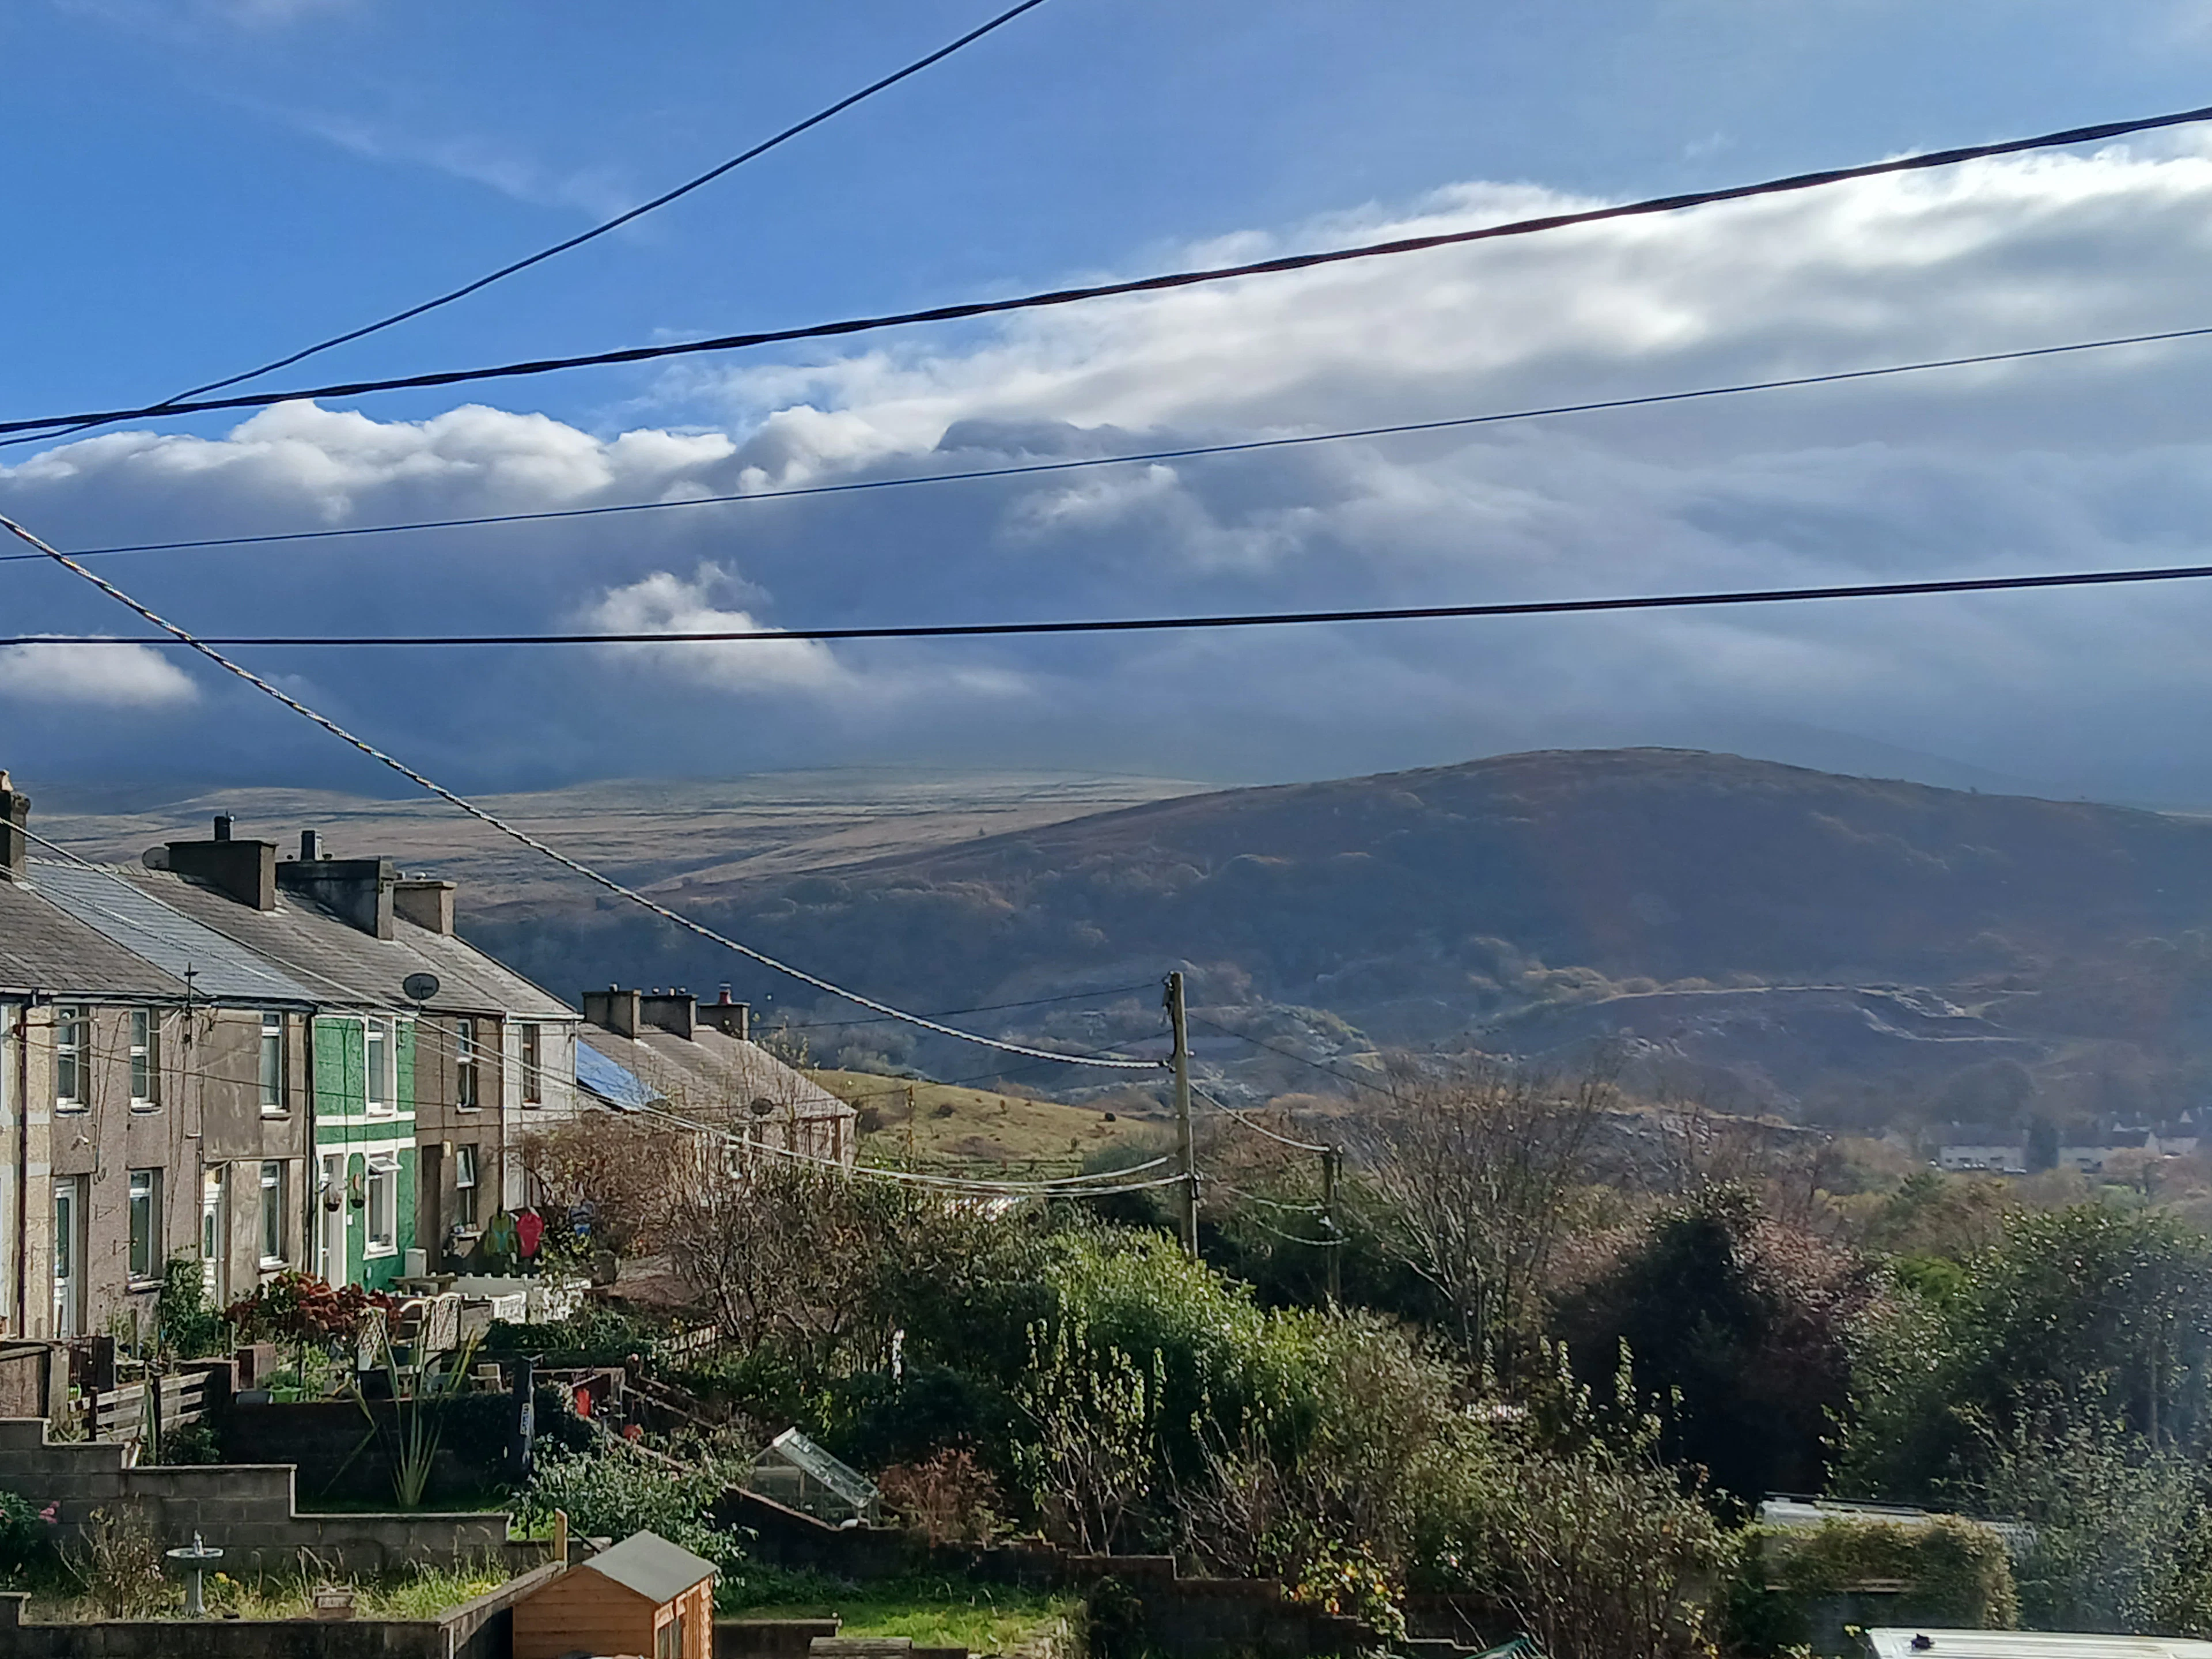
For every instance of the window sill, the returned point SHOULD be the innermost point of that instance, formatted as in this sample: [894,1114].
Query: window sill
[380,1252]
[145,1107]
[276,1111]
[137,1287]
[71,1108]
[274,1264]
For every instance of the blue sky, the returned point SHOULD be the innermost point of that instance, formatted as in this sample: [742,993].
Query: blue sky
[197,184]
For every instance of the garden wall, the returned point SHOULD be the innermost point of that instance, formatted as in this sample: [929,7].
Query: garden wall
[1184,1618]
[242,1508]
[481,1629]
[325,1441]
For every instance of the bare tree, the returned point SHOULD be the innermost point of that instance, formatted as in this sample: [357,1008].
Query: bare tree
[626,1169]
[1481,1166]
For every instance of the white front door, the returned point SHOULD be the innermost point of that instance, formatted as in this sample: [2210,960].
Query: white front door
[332,1198]
[215,1235]
[69,1257]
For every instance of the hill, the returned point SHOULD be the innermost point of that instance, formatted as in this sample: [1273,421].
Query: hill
[1831,944]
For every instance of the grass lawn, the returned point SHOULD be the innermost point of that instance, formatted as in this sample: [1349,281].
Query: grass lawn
[421,1593]
[947,1126]
[932,1613]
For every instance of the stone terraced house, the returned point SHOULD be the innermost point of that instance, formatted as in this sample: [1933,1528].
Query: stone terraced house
[252,1062]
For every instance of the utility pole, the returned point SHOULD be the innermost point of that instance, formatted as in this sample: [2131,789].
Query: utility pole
[1330,1161]
[1181,1059]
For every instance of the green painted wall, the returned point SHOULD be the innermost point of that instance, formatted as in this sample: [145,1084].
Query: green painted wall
[344,1129]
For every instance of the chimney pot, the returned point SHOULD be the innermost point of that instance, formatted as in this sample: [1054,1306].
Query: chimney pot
[223,821]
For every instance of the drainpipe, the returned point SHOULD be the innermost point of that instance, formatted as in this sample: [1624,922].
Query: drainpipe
[21,1036]
[311,1166]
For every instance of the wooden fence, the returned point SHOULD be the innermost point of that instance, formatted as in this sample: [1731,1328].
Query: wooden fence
[132,1411]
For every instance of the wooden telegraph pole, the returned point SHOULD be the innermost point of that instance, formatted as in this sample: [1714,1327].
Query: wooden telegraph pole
[1331,1162]
[1182,1062]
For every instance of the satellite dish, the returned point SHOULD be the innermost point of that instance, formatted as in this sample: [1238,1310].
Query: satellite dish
[420,988]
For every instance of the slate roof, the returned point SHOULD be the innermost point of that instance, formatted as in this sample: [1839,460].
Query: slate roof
[345,965]
[44,948]
[712,1075]
[138,922]
[648,1564]
[615,1085]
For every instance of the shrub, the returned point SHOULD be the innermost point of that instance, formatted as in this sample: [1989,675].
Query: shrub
[26,1541]
[187,1326]
[1956,1572]
[119,1561]
[947,1497]
[613,1493]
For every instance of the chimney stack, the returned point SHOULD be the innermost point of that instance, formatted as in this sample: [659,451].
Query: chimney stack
[15,843]
[358,889]
[731,1019]
[242,870]
[426,903]
[615,1009]
[311,846]
[675,1011]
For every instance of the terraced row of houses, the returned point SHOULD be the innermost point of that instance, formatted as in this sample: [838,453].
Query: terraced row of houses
[264,1062]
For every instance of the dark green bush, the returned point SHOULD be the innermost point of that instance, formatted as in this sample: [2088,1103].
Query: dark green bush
[26,1543]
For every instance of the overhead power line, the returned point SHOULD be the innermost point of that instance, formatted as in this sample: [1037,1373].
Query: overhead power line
[1154,284]
[182,637]
[1187,451]
[615,223]
[1160,624]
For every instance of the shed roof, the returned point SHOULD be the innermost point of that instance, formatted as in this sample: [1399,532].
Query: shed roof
[648,1564]
[45,948]
[139,922]
[1939,1643]
[344,964]
[711,1076]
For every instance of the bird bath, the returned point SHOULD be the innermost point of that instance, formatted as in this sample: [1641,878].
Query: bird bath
[196,1559]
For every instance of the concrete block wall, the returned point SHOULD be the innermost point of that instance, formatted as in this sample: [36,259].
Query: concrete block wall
[245,1509]
[481,1629]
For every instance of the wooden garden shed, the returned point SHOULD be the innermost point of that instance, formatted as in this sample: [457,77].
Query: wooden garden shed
[643,1599]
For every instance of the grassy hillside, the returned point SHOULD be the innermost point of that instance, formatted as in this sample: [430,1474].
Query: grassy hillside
[939,1125]
[1924,932]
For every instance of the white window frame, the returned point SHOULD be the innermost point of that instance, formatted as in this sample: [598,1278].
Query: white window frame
[467,1175]
[72,1056]
[145,1261]
[468,1065]
[145,1060]
[533,1064]
[383,1173]
[272,1213]
[275,1073]
[378,1040]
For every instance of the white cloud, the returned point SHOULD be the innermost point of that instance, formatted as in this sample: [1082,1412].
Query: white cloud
[664,603]
[94,676]
[2094,460]
[495,164]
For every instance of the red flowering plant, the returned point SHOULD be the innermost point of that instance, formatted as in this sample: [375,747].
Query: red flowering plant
[309,1314]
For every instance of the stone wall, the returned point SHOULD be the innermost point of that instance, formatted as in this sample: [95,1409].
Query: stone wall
[481,1629]
[244,1509]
